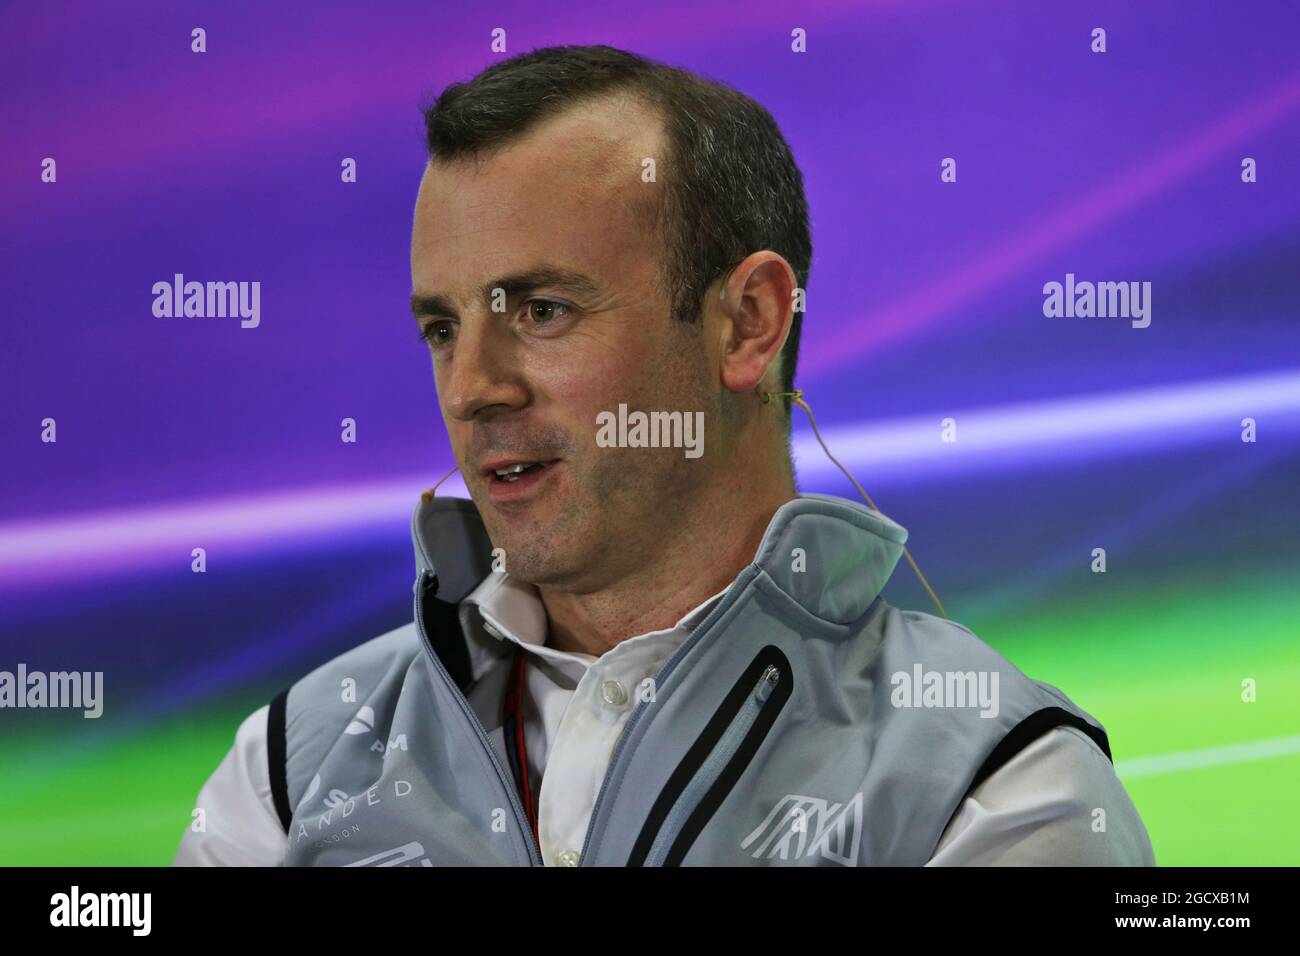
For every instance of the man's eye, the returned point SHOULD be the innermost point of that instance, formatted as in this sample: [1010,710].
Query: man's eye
[436,334]
[542,311]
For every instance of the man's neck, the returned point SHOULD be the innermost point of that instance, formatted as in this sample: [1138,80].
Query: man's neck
[661,591]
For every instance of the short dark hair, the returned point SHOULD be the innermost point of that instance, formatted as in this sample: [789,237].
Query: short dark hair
[732,186]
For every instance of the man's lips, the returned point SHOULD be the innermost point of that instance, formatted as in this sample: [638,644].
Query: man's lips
[490,469]
[518,487]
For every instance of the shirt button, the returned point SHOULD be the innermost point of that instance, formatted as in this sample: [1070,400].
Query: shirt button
[567,858]
[612,692]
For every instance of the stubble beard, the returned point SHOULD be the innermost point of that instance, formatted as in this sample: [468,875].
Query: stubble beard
[609,521]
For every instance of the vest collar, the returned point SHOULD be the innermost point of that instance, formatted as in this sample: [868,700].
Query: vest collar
[830,555]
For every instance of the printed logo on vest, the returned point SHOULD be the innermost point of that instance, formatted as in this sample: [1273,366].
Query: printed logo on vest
[408,854]
[801,826]
[334,826]
[362,723]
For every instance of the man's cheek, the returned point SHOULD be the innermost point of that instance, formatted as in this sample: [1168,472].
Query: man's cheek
[461,451]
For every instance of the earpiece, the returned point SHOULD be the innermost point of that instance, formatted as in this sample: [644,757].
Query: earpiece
[768,396]
[796,397]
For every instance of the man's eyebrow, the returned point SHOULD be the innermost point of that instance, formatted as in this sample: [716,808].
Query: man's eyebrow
[517,283]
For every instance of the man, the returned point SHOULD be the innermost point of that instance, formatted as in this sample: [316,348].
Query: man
[642,645]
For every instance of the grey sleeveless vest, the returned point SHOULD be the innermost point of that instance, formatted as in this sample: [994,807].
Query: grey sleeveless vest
[803,722]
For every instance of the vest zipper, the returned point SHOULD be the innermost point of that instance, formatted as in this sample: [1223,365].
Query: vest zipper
[534,852]
[715,762]
[722,607]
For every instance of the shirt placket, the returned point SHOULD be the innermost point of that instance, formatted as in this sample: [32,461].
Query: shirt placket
[594,717]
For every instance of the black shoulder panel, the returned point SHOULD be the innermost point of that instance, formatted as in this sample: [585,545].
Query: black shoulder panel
[1029,730]
[276,756]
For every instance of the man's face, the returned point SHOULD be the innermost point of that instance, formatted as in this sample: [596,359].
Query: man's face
[526,384]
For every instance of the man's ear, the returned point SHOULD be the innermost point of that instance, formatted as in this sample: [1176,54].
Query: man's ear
[757,308]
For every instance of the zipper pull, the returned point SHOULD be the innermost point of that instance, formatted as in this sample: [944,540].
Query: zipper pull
[767,682]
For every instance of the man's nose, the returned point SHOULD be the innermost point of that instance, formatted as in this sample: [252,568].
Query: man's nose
[481,377]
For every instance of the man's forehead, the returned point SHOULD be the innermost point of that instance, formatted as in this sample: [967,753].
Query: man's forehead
[587,156]
[571,186]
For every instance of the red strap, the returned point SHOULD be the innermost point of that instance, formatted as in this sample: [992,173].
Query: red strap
[514,706]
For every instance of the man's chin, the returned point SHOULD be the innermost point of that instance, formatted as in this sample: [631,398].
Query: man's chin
[533,562]
[526,546]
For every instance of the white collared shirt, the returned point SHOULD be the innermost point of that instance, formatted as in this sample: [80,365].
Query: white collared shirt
[1035,810]
[575,704]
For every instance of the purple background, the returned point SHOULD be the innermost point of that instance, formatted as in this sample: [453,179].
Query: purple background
[924,299]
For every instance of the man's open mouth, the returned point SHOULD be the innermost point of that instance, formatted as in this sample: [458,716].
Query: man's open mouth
[514,471]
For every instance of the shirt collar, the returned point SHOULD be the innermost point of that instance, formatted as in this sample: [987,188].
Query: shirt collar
[504,610]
